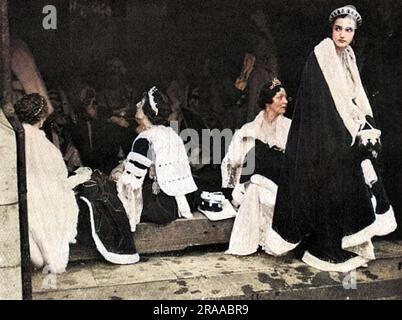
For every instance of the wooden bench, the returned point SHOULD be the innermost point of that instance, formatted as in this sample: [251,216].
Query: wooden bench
[178,235]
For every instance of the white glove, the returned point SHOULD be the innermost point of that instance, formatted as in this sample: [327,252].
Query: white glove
[82,175]
[238,195]
[84,171]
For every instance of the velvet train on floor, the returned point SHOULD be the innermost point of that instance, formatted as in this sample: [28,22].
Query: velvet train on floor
[101,209]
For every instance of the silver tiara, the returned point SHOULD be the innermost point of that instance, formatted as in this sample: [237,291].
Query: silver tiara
[42,105]
[349,10]
[152,99]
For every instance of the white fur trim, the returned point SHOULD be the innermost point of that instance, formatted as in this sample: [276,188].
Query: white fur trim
[132,169]
[264,182]
[384,224]
[365,250]
[332,70]
[370,177]
[276,245]
[346,266]
[136,157]
[129,179]
[257,129]
[109,256]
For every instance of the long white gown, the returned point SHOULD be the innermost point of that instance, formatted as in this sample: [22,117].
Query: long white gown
[52,207]
[256,198]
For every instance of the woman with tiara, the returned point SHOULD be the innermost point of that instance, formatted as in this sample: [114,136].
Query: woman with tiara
[331,198]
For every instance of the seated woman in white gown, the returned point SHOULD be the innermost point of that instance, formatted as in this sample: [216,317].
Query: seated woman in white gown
[252,167]
[52,207]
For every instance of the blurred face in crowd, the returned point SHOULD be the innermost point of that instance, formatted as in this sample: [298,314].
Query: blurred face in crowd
[343,32]
[92,110]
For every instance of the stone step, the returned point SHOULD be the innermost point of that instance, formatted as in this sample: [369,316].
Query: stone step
[214,275]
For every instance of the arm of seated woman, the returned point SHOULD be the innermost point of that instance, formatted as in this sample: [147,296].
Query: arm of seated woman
[137,164]
[135,168]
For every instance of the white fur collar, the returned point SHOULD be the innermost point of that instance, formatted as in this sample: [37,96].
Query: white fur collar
[332,70]
[255,130]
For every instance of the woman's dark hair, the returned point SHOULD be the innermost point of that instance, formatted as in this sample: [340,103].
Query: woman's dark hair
[31,108]
[267,94]
[163,106]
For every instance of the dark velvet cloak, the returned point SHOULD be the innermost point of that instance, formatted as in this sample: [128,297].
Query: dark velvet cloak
[322,195]
[103,216]
[267,160]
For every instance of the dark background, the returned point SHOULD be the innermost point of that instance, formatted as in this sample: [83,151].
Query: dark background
[157,38]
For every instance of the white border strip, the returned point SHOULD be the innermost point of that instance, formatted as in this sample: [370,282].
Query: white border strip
[130,168]
[344,267]
[136,157]
[276,245]
[384,224]
[109,256]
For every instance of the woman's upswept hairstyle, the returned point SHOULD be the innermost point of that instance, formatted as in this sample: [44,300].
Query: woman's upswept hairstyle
[164,109]
[31,108]
[268,92]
